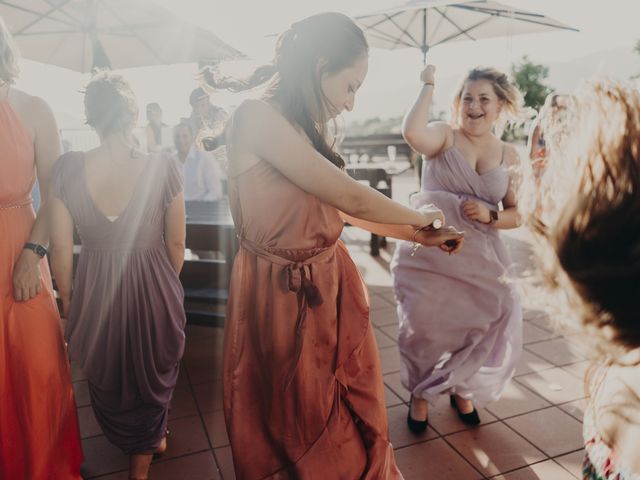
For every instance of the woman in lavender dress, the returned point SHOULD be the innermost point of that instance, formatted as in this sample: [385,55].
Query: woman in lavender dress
[460,319]
[125,316]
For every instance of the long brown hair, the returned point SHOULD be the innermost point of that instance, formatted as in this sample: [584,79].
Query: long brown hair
[590,235]
[293,76]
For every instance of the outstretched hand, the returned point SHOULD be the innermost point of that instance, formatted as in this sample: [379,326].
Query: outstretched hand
[447,239]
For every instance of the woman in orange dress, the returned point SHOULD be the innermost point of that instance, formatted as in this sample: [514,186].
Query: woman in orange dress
[303,391]
[39,436]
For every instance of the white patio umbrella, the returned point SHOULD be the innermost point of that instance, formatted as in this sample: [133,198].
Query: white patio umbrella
[83,34]
[423,24]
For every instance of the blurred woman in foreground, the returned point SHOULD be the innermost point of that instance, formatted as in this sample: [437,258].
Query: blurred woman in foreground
[590,257]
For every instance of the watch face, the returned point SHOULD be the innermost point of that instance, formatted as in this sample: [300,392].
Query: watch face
[437,223]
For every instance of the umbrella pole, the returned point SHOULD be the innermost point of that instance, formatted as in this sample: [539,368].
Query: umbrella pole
[425,49]
[425,46]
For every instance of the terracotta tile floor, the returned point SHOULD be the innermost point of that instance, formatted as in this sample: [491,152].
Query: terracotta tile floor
[533,432]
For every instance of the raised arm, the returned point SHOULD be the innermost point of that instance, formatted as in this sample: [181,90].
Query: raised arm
[27,280]
[287,150]
[426,138]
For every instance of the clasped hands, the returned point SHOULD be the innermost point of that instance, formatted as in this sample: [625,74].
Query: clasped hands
[447,238]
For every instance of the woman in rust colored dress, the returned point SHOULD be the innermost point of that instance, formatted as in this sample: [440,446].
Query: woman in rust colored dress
[303,391]
[39,437]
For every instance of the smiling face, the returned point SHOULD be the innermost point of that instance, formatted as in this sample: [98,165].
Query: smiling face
[479,107]
[340,88]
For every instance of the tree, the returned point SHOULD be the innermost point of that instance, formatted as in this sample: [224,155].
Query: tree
[529,78]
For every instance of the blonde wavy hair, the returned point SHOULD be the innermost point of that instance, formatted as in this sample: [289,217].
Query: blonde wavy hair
[9,56]
[588,241]
[513,108]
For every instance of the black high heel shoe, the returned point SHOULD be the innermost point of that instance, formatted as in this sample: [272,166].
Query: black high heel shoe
[416,426]
[470,418]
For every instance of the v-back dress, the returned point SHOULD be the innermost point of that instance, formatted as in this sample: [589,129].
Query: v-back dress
[39,436]
[126,322]
[460,317]
[303,391]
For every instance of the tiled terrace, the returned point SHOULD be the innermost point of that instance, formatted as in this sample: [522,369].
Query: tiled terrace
[533,432]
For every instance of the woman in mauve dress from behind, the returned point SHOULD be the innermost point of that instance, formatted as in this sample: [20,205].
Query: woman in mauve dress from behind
[125,307]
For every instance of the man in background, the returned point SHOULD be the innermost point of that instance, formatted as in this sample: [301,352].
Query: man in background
[203,176]
[204,115]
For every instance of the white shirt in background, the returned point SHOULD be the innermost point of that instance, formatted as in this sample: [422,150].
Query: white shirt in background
[202,176]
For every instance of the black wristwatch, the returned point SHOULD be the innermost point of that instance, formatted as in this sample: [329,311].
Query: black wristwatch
[37,249]
[493,214]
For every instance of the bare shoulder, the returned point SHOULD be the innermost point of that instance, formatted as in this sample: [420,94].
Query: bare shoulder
[251,120]
[618,414]
[445,129]
[39,104]
[253,111]
[512,160]
[248,124]
[442,126]
[30,104]
[34,110]
[511,156]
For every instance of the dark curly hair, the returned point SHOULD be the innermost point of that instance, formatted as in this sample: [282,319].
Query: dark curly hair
[109,103]
[294,79]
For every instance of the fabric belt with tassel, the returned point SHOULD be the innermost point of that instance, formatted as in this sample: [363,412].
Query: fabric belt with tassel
[299,280]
